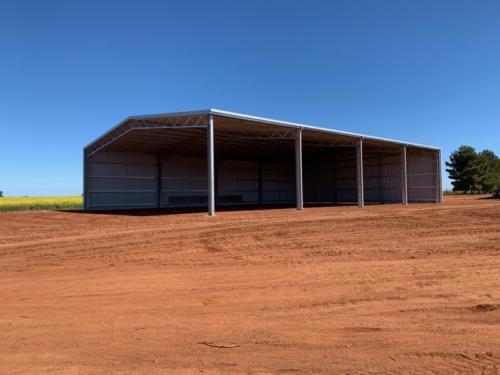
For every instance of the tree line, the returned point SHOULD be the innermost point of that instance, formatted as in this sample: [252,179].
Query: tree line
[474,172]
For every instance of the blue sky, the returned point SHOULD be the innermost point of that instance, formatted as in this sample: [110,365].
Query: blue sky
[424,71]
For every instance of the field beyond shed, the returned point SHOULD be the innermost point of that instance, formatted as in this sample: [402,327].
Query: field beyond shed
[327,290]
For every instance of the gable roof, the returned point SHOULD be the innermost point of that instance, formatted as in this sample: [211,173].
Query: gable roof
[263,120]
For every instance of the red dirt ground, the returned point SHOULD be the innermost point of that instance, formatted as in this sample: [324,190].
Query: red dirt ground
[384,289]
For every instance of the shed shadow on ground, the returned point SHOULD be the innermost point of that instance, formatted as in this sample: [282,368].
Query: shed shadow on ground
[191,210]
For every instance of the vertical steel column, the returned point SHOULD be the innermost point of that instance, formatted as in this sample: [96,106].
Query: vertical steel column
[159,181]
[439,182]
[85,198]
[298,170]
[404,177]
[359,175]
[211,165]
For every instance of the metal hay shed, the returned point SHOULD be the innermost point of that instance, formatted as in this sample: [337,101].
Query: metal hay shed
[214,158]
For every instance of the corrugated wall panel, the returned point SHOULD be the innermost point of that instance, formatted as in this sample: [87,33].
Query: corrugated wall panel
[237,182]
[423,175]
[278,183]
[319,180]
[382,177]
[345,176]
[183,182]
[120,181]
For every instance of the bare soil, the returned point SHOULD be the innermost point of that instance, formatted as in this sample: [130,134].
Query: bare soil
[383,289]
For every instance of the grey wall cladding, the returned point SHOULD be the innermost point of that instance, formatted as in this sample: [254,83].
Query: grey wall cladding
[382,177]
[119,180]
[128,180]
[423,176]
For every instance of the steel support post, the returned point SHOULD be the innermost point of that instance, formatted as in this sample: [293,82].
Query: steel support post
[404,177]
[359,174]
[439,182]
[211,165]
[298,170]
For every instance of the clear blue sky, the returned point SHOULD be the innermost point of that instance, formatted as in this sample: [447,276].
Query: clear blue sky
[424,71]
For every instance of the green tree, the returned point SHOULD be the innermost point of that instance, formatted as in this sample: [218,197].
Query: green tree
[1,193]
[489,169]
[464,170]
